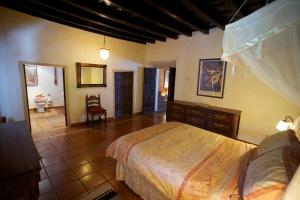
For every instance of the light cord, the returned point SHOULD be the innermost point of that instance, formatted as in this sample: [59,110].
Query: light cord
[104,41]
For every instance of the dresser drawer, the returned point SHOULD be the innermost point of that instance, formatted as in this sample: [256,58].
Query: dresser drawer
[223,121]
[219,116]
[195,121]
[175,117]
[196,113]
[218,126]
[176,109]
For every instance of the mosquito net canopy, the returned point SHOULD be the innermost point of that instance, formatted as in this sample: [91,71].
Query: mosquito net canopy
[268,43]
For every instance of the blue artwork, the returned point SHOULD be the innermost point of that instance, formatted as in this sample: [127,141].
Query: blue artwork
[211,77]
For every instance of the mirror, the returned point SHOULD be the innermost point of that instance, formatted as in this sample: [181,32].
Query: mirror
[91,75]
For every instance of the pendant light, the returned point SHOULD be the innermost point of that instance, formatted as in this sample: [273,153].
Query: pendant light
[104,53]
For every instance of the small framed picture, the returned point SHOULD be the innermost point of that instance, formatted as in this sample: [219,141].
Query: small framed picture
[31,75]
[211,78]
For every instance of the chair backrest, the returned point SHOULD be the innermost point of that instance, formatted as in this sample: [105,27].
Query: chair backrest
[92,100]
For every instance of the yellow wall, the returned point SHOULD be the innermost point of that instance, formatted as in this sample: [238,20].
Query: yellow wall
[31,39]
[261,107]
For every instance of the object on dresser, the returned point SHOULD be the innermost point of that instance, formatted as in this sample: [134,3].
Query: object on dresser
[19,163]
[216,119]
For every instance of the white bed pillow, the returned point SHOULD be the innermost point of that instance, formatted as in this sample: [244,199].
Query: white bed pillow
[276,141]
[269,175]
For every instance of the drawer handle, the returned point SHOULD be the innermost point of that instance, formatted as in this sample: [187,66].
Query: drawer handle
[221,117]
[196,112]
[220,126]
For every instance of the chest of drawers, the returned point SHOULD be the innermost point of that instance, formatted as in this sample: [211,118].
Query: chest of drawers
[19,163]
[216,119]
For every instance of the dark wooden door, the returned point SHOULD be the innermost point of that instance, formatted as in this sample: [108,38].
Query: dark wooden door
[171,89]
[118,94]
[127,92]
[149,90]
[123,93]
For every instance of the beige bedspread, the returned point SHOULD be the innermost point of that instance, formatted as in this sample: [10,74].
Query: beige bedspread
[182,161]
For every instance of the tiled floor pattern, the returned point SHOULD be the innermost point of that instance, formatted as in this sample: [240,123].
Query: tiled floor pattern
[74,163]
[43,124]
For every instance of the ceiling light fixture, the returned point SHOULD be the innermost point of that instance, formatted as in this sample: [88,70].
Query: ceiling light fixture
[104,53]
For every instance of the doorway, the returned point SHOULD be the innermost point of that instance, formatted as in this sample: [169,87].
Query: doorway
[159,87]
[149,90]
[123,93]
[162,90]
[171,83]
[45,95]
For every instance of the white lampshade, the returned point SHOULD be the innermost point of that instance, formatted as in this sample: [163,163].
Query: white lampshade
[283,125]
[104,53]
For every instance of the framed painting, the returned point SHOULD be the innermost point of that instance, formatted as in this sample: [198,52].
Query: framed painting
[31,75]
[211,78]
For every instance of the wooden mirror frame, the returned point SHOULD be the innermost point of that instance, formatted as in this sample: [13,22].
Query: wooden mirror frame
[78,70]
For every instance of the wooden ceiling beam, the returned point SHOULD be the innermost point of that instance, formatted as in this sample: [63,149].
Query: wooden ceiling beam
[138,34]
[178,17]
[107,14]
[71,23]
[139,21]
[205,13]
[135,10]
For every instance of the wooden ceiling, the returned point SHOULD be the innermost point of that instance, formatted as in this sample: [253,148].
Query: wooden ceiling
[141,21]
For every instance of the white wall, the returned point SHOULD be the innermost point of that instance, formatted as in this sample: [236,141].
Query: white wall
[31,39]
[46,86]
[261,107]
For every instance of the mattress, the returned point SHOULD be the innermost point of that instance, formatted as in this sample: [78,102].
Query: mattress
[183,162]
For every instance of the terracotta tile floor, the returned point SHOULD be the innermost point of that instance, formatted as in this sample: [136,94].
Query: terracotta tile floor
[73,161]
[45,124]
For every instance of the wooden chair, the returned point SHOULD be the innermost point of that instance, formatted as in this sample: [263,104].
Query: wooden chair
[93,108]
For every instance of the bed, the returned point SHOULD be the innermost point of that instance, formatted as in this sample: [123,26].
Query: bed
[178,161]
